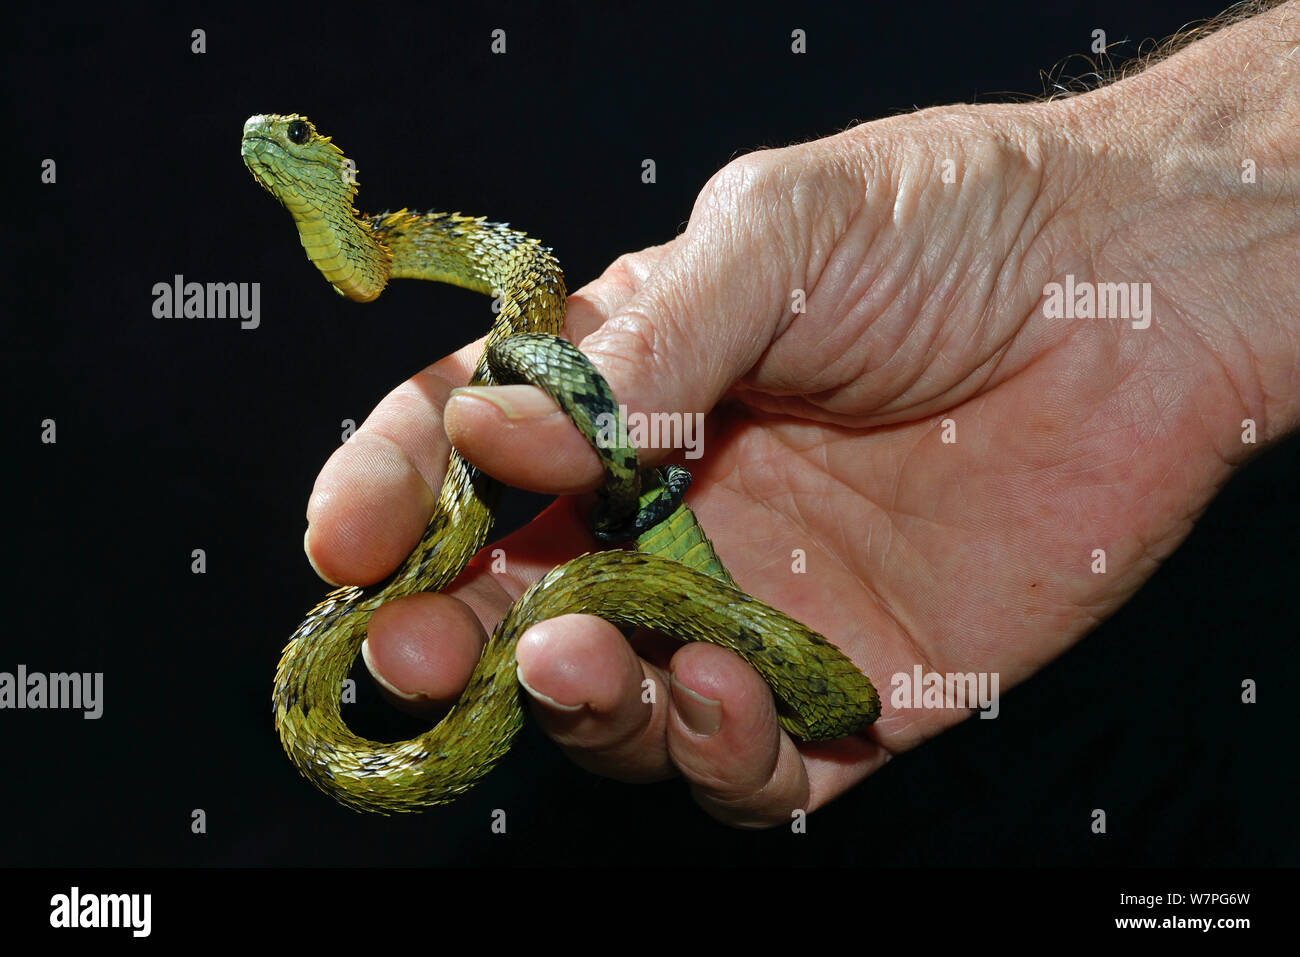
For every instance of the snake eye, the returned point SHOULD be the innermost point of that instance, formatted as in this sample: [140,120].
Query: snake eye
[298,132]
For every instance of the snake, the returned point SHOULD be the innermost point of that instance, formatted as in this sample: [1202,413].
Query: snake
[663,575]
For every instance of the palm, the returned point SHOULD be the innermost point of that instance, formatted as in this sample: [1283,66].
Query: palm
[971,555]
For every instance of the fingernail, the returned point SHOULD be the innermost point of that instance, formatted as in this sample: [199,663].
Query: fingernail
[702,715]
[388,686]
[543,698]
[310,561]
[517,402]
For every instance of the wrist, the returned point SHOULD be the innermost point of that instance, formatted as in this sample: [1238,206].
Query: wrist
[1187,176]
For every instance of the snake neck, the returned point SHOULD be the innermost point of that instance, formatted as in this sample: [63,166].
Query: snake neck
[316,183]
[519,273]
[345,250]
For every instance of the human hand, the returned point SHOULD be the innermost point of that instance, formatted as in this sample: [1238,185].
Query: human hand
[924,303]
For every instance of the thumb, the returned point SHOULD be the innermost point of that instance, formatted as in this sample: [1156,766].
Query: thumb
[671,328]
[696,321]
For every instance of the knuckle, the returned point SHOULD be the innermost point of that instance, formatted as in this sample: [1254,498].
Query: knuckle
[631,269]
[755,172]
[629,350]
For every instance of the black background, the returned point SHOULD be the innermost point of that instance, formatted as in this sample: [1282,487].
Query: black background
[183,434]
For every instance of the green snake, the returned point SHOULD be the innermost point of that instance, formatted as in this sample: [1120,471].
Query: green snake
[673,582]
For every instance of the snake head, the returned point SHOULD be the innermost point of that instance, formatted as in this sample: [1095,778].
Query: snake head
[317,184]
[297,165]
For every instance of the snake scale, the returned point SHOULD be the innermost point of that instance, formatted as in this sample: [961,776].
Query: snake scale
[673,582]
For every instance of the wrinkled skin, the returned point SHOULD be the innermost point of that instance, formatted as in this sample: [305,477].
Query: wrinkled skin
[924,304]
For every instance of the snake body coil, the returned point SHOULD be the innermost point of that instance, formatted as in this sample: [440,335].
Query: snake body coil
[674,583]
